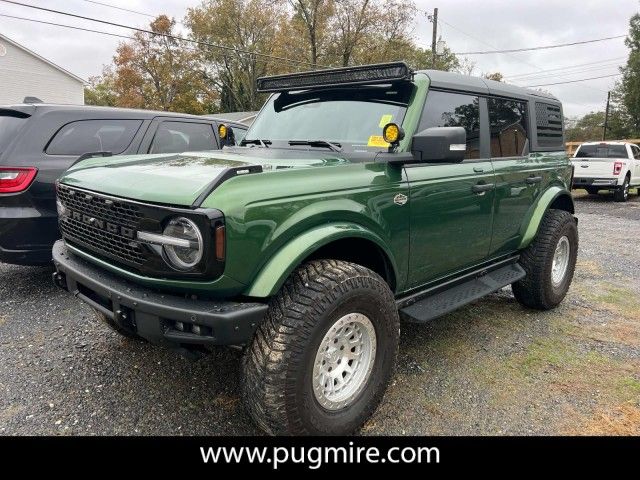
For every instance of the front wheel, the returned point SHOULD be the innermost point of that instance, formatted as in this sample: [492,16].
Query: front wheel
[549,262]
[322,359]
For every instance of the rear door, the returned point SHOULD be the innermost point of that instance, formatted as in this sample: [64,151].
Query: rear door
[519,178]
[450,217]
[177,135]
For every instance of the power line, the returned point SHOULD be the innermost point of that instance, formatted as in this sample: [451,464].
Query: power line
[566,74]
[514,57]
[166,35]
[123,9]
[518,75]
[67,26]
[545,47]
[120,8]
[572,81]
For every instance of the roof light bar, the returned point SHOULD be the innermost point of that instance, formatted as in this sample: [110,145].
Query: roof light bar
[334,77]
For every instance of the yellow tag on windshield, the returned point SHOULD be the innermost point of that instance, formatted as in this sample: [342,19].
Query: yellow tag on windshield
[377,141]
[384,120]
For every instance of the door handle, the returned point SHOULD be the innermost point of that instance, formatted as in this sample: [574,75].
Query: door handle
[478,169]
[482,187]
[531,180]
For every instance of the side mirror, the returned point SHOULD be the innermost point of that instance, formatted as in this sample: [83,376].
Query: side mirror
[440,145]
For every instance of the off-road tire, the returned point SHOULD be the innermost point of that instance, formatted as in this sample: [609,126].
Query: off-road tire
[125,332]
[536,290]
[621,194]
[592,190]
[277,367]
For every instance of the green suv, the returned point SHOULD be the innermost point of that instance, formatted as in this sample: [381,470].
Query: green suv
[360,196]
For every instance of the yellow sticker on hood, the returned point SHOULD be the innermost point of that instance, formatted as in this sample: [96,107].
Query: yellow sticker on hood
[377,141]
[384,120]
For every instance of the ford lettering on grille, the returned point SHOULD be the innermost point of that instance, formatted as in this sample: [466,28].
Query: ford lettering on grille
[102,225]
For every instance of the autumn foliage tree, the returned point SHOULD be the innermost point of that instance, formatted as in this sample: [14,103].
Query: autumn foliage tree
[238,41]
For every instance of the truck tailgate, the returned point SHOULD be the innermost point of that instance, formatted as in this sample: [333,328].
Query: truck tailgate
[594,167]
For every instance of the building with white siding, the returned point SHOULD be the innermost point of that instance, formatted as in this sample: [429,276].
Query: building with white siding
[24,73]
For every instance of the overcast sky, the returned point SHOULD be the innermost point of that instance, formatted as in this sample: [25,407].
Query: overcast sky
[465,26]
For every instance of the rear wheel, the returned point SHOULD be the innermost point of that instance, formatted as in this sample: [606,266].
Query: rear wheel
[549,262]
[322,359]
[622,193]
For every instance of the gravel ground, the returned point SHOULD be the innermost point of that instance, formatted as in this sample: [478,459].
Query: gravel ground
[489,368]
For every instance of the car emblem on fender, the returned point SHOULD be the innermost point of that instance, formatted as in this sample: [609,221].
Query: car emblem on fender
[400,199]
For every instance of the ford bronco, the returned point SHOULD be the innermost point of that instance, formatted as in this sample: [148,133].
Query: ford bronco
[360,196]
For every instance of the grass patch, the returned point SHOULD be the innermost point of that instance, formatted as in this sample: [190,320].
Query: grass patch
[628,387]
[616,298]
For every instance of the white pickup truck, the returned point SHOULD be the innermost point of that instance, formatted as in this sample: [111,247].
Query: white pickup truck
[607,166]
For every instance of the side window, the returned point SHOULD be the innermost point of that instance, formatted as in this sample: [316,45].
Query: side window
[88,136]
[446,109]
[636,152]
[239,134]
[508,126]
[178,137]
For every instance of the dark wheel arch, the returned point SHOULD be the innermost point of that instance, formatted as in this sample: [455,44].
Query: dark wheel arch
[361,252]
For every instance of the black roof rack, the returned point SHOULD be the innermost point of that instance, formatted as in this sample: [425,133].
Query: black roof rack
[333,77]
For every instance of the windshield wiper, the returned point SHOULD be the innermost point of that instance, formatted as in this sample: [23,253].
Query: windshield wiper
[336,147]
[255,141]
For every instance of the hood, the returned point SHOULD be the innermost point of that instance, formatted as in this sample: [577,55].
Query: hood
[179,179]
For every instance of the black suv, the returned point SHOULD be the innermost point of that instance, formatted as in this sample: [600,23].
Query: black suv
[38,142]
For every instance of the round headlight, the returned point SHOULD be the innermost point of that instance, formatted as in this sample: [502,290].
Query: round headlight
[189,245]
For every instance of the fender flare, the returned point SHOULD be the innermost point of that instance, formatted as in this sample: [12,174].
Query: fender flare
[530,228]
[273,275]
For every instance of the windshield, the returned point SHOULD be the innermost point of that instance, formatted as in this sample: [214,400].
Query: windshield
[602,151]
[9,127]
[350,117]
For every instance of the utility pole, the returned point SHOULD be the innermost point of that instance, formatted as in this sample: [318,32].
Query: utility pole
[606,118]
[434,38]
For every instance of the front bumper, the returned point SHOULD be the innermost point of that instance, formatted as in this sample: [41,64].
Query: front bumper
[161,318]
[581,182]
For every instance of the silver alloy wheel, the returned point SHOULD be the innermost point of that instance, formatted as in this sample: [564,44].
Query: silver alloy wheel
[344,361]
[560,261]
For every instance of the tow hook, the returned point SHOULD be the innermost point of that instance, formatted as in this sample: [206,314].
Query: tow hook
[60,280]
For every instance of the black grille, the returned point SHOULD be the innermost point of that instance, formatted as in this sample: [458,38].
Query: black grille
[118,212]
[95,222]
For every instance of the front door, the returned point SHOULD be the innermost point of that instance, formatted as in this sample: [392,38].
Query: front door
[451,204]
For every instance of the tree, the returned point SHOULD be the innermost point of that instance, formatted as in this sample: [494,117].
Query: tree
[626,95]
[247,25]
[101,90]
[156,71]
[587,128]
[313,16]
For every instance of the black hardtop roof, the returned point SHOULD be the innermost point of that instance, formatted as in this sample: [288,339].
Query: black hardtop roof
[468,83]
[133,113]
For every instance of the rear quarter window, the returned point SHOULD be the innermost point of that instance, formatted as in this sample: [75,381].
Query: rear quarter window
[10,125]
[87,136]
